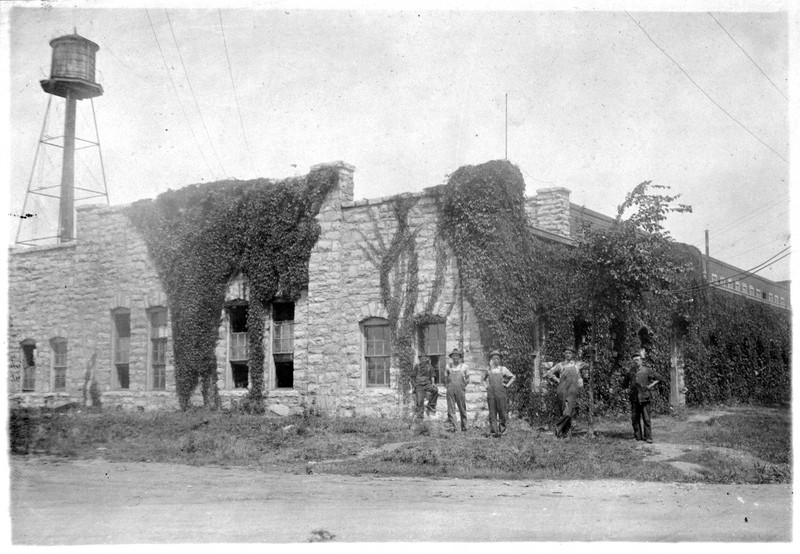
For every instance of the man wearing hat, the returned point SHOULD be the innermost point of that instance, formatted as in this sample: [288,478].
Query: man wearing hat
[639,380]
[456,377]
[568,376]
[498,378]
[424,387]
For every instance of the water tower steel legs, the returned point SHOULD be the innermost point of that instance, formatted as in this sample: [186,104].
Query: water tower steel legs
[66,214]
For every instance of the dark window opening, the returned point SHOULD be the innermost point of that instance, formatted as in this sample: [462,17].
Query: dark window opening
[645,339]
[619,341]
[283,344]
[28,365]
[238,318]
[123,376]
[283,311]
[284,371]
[580,330]
[122,347]
[240,374]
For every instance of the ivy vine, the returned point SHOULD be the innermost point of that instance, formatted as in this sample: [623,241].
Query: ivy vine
[201,236]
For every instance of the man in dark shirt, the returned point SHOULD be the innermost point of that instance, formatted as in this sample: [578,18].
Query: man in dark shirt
[639,381]
[424,387]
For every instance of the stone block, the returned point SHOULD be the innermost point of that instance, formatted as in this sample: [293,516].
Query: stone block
[279,409]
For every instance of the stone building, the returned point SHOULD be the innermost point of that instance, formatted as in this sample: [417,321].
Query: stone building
[94,311]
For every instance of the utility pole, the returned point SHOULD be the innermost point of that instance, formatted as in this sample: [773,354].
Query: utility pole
[506,126]
[708,271]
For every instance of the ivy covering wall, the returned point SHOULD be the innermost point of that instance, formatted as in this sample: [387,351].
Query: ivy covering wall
[201,236]
[519,285]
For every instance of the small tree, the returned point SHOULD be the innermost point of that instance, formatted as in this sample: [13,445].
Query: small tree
[630,261]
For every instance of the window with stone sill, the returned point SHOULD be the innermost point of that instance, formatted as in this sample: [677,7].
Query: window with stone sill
[432,343]
[283,344]
[158,347]
[59,361]
[237,344]
[377,351]
[121,331]
[28,365]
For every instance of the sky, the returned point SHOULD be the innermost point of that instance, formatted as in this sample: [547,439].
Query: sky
[407,97]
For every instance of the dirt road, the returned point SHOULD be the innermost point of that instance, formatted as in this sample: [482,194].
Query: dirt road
[98,502]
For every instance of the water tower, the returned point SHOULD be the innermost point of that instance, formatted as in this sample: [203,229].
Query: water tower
[72,77]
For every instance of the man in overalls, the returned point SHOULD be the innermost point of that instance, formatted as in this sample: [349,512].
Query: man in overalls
[456,377]
[496,394]
[424,387]
[568,376]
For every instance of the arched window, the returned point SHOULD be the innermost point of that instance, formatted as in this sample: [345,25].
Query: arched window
[238,353]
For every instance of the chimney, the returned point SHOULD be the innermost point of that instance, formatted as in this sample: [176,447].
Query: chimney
[552,210]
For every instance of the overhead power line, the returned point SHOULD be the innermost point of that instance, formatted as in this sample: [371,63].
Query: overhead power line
[191,90]
[753,231]
[175,90]
[782,239]
[235,96]
[740,124]
[741,274]
[748,56]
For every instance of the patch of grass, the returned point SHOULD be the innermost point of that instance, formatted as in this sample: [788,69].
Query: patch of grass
[722,468]
[766,435]
[199,437]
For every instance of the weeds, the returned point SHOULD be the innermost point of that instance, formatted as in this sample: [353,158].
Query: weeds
[232,438]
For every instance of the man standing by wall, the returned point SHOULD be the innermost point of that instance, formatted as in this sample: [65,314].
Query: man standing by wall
[639,380]
[498,378]
[456,377]
[424,387]
[568,376]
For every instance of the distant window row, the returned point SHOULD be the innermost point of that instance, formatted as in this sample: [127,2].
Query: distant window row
[120,348]
[749,290]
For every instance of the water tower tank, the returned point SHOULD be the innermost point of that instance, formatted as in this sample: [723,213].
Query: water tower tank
[72,68]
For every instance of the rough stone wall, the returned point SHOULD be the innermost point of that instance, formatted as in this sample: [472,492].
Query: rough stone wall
[42,290]
[70,291]
[345,291]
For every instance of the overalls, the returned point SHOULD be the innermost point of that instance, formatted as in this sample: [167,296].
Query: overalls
[424,388]
[497,397]
[567,391]
[456,396]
